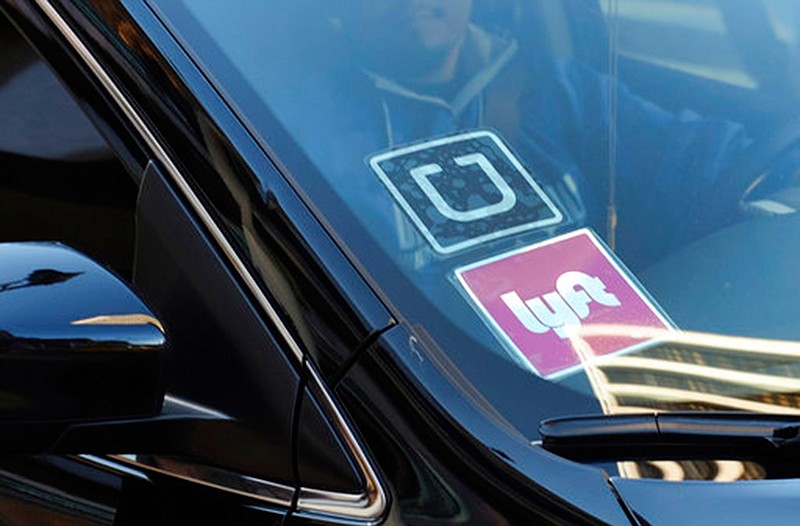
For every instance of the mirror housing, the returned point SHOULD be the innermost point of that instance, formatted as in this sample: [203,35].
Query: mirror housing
[76,344]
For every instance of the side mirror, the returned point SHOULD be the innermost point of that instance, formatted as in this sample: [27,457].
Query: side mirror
[76,344]
[81,363]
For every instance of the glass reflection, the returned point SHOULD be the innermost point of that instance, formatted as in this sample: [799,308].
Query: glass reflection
[121,319]
[38,278]
[690,371]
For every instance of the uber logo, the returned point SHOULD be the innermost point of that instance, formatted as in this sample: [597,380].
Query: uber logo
[464,190]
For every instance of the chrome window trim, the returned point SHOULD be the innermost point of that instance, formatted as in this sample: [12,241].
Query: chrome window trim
[371,504]
[214,477]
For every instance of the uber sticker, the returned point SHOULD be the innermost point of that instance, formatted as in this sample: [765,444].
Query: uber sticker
[562,302]
[464,190]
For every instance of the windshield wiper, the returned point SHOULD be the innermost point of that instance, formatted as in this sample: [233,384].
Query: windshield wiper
[672,435]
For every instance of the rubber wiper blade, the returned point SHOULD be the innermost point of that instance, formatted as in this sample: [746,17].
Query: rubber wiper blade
[681,435]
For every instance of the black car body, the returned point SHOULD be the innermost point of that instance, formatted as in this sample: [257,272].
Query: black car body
[338,406]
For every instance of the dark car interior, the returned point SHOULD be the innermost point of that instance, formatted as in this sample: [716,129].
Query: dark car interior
[59,179]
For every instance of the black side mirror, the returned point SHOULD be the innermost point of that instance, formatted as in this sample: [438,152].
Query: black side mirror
[81,363]
[76,344]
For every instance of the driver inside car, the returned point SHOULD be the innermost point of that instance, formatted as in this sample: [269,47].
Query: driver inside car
[413,70]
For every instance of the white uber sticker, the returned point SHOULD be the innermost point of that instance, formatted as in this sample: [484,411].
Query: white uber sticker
[464,190]
[562,302]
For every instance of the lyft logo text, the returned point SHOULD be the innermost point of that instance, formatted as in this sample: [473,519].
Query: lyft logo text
[564,308]
[537,298]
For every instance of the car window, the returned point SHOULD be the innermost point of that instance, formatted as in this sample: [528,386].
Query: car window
[60,179]
[600,195]
[683,30]
[707,37]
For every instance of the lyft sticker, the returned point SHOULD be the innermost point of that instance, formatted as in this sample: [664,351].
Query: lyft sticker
[561,303]
[464,190]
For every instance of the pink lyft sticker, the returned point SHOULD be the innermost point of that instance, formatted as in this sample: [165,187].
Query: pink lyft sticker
[562,302]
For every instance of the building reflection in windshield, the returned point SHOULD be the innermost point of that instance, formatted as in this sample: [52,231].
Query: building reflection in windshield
[688,371]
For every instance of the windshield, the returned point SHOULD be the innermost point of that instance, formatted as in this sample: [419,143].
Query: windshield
[580,206]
